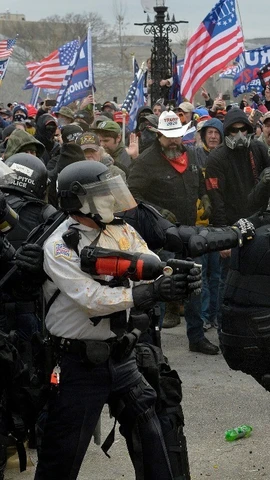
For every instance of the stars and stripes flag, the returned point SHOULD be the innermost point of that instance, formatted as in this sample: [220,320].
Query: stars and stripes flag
[264,74]
[6,47]
[50,72]
[217,40]
[135,98]
[79,80]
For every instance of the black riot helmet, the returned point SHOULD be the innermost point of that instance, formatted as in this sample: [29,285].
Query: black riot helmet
[31,175]
[88,189]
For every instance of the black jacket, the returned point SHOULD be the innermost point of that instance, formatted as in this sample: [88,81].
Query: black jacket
[230,176]
[154,180]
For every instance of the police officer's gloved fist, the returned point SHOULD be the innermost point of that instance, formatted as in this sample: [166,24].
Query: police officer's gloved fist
[168,215]
[30,259]
[245,230]
[194,280]
[265,176]
[164,289]
[205,200]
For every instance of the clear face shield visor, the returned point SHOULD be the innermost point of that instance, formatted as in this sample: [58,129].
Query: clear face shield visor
[106,197]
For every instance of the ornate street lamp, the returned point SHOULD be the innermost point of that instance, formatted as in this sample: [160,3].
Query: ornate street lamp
[161,54]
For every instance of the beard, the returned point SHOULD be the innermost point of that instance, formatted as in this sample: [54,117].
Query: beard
[172,153]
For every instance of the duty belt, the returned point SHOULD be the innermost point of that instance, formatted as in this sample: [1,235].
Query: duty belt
[96,352]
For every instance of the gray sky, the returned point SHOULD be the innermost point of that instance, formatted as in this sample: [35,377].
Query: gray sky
[254,16]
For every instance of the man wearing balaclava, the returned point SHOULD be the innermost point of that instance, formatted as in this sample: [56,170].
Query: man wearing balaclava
[46,128]
[232,170]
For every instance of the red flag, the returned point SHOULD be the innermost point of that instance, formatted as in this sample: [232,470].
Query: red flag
[217,40]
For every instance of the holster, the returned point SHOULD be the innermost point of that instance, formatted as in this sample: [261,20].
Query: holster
[95,352]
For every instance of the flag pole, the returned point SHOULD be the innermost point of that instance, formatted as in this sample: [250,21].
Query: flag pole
[241,23]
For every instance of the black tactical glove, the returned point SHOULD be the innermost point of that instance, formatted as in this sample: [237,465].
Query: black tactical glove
[168,215]
[164,289]
[265,176]
[194,280]
[245,230]
[30,259]
[205,200]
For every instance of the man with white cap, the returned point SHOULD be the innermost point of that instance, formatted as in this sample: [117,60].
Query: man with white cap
[166,176]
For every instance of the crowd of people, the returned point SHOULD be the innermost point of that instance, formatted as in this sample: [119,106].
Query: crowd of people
[172,189]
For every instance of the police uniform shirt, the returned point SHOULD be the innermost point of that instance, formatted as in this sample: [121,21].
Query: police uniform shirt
[81,297]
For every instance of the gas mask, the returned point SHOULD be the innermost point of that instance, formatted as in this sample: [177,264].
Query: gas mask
[237,141]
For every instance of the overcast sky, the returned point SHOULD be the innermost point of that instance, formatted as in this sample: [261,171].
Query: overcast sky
[254,16]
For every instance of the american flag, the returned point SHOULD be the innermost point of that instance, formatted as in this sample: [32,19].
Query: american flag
[217,40]
[50,72]
[264,74]
[6,47]
[134,99]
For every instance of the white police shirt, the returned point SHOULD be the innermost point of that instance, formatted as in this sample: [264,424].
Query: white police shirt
[81,297]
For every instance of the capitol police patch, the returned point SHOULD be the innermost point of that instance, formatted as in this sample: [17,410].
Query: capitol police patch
[61,250]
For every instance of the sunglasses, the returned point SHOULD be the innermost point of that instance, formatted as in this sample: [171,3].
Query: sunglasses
[238,129]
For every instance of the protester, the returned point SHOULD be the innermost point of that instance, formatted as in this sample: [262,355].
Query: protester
[166,176]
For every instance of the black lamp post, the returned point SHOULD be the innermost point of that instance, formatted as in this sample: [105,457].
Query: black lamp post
[161,54]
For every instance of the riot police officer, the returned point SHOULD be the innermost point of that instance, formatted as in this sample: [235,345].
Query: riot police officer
[25,193]
[87,320]
[245,329]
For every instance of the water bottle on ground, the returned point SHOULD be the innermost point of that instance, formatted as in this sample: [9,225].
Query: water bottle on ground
[243,431]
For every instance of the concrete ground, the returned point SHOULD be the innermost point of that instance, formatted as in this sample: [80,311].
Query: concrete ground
[215,398]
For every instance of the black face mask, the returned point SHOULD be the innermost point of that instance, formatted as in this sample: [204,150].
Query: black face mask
[147,138]
[50,131]
[19,117]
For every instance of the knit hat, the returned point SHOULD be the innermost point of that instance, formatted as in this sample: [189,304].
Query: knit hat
[66,112]
[88,140]
[108,126]
[71,132]
[22,108]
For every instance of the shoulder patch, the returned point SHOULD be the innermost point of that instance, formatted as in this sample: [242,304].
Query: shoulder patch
[61,250]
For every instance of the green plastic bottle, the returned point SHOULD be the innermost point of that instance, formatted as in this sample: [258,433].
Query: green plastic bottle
[238,432]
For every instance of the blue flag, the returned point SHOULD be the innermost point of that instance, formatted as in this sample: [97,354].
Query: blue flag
[3,68]
[244,73]
[79,78]
[134,99]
